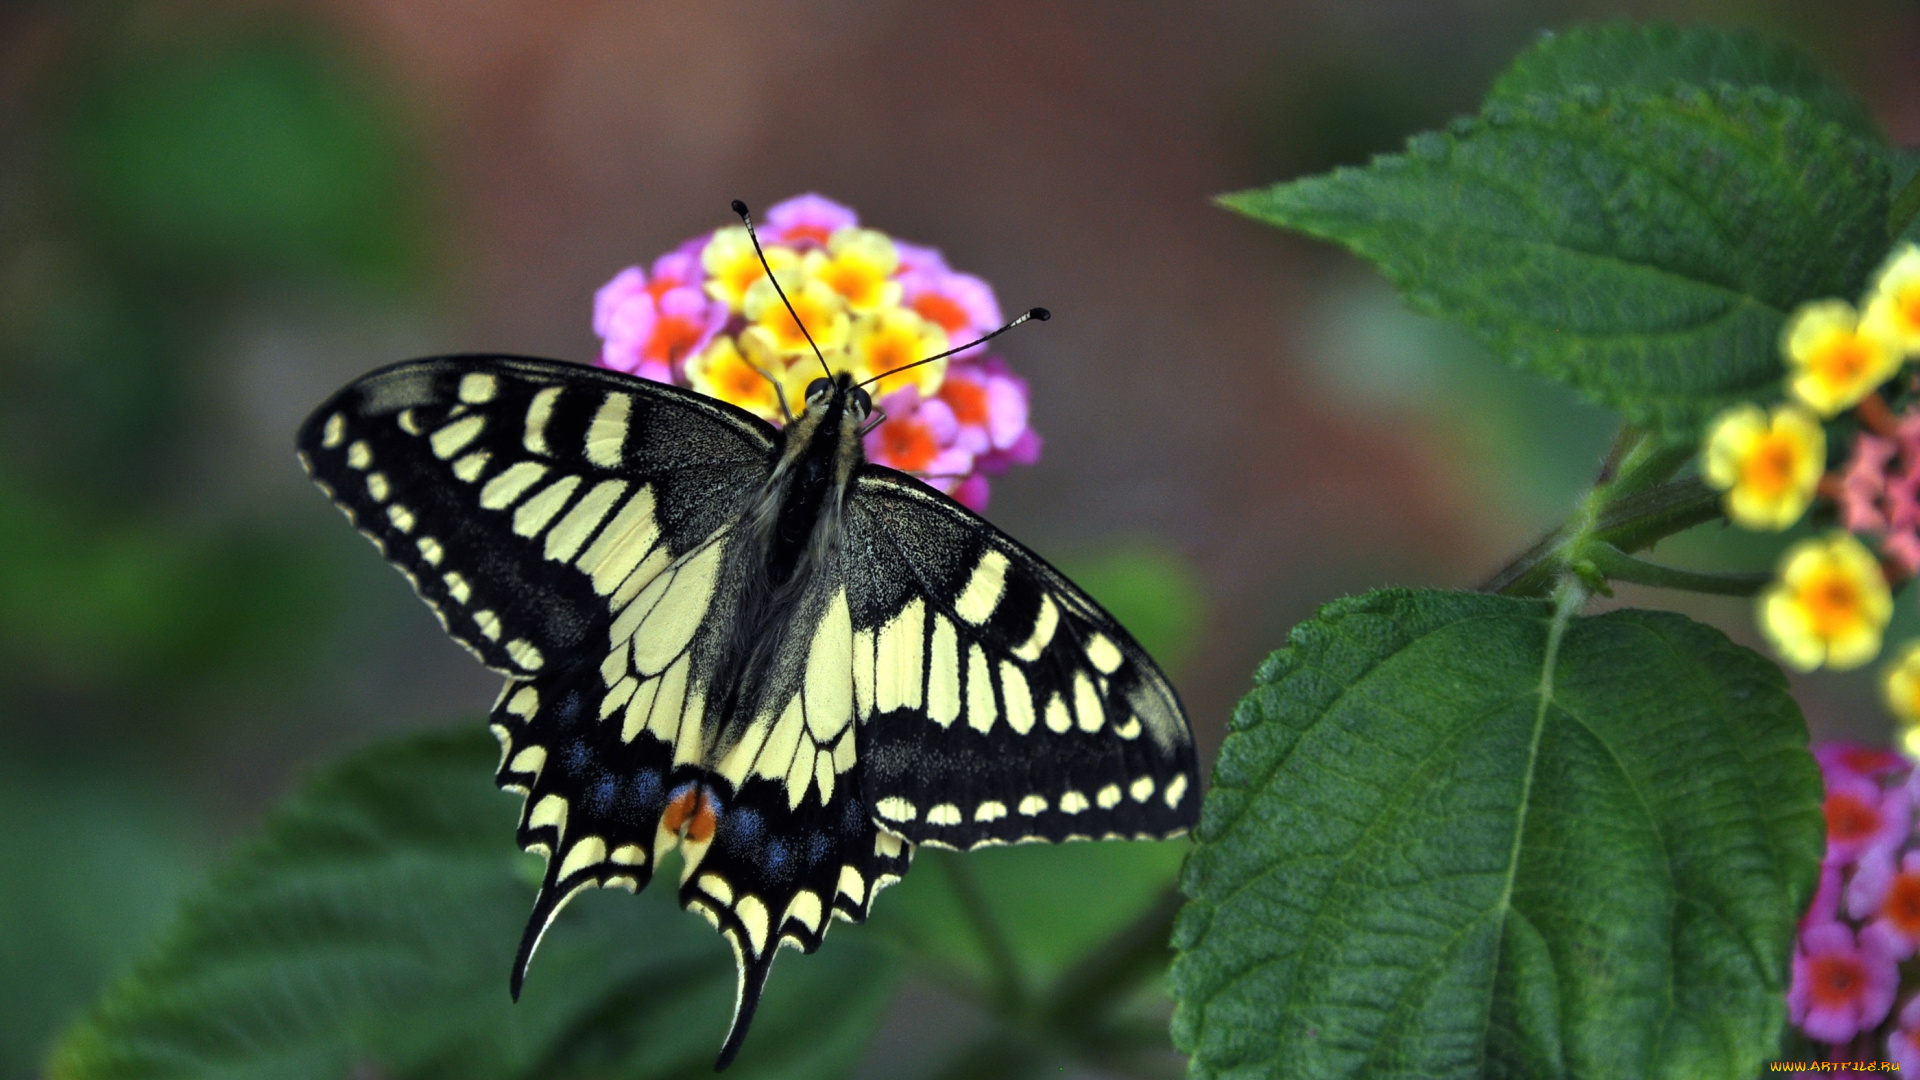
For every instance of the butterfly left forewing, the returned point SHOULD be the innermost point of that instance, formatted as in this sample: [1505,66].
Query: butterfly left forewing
[1002,704]
[481,478]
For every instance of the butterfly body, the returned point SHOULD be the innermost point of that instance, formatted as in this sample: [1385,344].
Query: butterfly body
[747,643]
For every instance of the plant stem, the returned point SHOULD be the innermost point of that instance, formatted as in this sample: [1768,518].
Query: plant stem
[1630,523]
[1617,565]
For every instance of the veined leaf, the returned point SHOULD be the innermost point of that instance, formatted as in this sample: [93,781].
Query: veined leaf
[1449,837]
[1645,247]
[373,926]
[1659,56]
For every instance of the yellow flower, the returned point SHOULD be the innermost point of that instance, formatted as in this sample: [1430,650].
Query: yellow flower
[1893,307]
[1833,360]
[1901,684]
[1767,467]
[1828,605]
[720,371]
[822,309]
[857,264]
[733,266]
[895,338]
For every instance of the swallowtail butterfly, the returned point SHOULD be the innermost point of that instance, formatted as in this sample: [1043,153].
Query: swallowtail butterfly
[746,642]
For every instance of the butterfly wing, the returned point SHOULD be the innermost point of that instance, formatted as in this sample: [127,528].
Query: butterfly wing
[571,526]
[1002,704]
[578,531]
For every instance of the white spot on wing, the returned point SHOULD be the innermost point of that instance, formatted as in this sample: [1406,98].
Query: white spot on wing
[664,617]
[1104,653]
[449,440]
[359,455]
[334,431]
[829,683]
[943,681]
[1086,703]
[505,489]
[1176,788]
[378,487]
[944,814]
[852,885]
[895,808]
[530,760]
[607,434]
[1072,802]
[489,624]
[897,674]
[1019,699]
[622,544]
[1059,719]
[477,388]
[1107,797]
[981,711]
[1141,789]
[525,654]
[753,915]
[1044,625]
[534,514]
[1033,804]
[573,530]
[469,468]
[539,411]
[990,811]
[983,589]
[401,517]
[590,851]
[457,587]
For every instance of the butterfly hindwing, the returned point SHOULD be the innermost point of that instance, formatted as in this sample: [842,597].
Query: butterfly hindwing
[1003,704]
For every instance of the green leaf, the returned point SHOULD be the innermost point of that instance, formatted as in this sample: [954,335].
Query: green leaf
[1643,247]
[372,929]
[1452,836]
[1660,57]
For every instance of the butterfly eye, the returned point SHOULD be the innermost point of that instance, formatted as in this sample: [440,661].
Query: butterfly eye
[862,401]
[818,387]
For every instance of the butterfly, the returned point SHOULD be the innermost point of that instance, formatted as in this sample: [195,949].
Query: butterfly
[745,642]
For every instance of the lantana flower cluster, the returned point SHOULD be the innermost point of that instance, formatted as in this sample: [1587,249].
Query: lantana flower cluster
[1865,916]
[1832,595]
[707,317]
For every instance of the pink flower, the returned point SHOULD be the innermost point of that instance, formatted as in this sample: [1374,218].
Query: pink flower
[918,437]
[648,328]
[1853,759]
[1861,816]
[1890,898]
[918,258]
[963,305]
[806,221]
[989,403]
[1826,899]
[1840,987]
[1880,490]
[1903,1046]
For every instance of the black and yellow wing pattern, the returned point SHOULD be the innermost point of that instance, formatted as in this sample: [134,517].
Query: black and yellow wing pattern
[792,716]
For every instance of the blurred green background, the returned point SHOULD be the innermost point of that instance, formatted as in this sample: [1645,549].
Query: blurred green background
[212,214]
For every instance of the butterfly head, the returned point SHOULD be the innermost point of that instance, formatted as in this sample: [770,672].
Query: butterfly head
[854,401]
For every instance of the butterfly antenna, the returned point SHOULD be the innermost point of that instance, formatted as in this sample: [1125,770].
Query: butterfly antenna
[747,220]
[1038,314]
